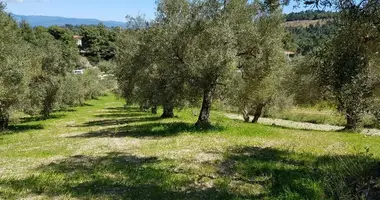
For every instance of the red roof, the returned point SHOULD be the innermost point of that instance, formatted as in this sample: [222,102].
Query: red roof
[77,37]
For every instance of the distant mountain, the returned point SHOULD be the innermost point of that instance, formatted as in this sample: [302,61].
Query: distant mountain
[60,21]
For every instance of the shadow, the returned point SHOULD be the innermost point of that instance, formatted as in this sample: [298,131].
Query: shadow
[39,118]
[120,115]
[12,129]
[156,130]
[290,175]
[123,109]
[114,122]
[119,112]
[113,176]
[275,174]
[66,110]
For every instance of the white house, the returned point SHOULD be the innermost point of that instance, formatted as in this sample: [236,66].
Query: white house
[78,39]
[78,71]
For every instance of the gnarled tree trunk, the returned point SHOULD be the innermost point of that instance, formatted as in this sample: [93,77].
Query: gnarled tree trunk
[49,101]
[258,112]
[352,120]
[168,111]
[204,115]
[4,119]
[246,116]
[154,109]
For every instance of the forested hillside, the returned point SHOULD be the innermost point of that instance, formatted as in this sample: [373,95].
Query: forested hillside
[308,30]
[310,15]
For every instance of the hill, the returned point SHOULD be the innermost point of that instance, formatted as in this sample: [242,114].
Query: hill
[47,21]
[310,15]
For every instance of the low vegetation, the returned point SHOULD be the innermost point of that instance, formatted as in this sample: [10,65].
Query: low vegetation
[105,150]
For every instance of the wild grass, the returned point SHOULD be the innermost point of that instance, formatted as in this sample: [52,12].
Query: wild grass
[319,115]
[108,151]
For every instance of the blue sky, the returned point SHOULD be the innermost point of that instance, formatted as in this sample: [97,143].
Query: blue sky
[99,9]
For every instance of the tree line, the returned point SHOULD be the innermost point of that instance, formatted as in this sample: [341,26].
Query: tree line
[310,15]
[197,52]
[36,66]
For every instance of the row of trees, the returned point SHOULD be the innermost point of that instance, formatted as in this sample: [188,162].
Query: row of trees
[198,49]
[36,67]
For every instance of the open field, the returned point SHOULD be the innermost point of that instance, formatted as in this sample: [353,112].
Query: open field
[106,151]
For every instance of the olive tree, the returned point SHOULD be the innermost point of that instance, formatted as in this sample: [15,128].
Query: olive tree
[347,63]
[210,54]
[14,67]
[260,59]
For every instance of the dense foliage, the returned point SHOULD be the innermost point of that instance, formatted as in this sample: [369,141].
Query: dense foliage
[37,66]
[194,49]
[305,40]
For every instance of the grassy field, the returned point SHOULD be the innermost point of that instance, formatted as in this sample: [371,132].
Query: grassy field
[106,151]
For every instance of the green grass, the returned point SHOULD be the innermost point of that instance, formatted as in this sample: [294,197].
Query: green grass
[106,151]
[321,116]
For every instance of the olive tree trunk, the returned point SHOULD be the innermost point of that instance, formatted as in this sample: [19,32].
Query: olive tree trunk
[49,101]
[352,120]
[204,115]
[246,116]
[168,111]
[258,112]
[4,119]
[154,109]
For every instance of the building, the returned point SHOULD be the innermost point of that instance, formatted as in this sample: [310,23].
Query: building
[78,39]
[79,71]
[290,54]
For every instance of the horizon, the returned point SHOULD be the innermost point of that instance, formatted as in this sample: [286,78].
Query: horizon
[95,9]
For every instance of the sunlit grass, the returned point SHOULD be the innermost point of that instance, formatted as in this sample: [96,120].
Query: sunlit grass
[321,116]
[106,151]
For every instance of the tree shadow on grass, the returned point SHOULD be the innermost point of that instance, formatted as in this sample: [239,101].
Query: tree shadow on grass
[290,175]
[155,130]
[39,118]
[119,112]
[282,174]
[114,122]
[114,176]
[120,115]
[18,128]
